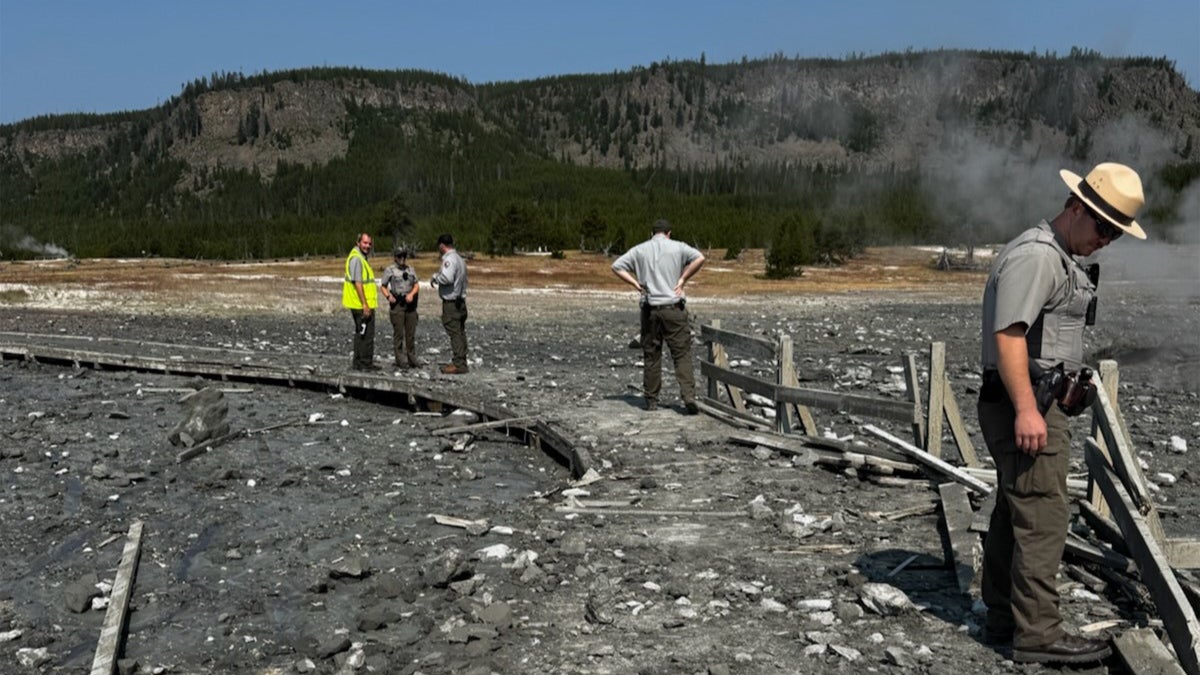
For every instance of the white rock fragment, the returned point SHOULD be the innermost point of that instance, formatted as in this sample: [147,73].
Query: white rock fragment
[315,417]
[1165,478]
[815,650]
[1178,445]
[815,604]
[495,552]
[885,599]
[33,658]
[772,606]
[10,635]
[1084,594]
[848,653]
[651,586]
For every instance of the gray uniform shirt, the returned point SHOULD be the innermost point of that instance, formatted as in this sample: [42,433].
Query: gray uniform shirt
[451,280]
[1035,282]
[657,263]
[356,269]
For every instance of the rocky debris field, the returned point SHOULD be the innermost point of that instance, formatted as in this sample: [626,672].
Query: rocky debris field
[312,547]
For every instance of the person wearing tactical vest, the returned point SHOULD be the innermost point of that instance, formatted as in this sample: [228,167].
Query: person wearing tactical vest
[359,295]
[1037,300]
[400,286]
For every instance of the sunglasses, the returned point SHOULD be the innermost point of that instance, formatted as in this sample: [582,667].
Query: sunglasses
[1105,229]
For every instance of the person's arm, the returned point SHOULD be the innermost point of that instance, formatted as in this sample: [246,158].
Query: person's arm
[628,278]
[416,288]
[1029,426]
[689,272]
[385,286]
[443,275]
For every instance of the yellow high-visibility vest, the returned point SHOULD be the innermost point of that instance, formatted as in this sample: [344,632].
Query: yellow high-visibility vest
[349,294]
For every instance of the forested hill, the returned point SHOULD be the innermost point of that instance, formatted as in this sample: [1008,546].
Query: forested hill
[897,147]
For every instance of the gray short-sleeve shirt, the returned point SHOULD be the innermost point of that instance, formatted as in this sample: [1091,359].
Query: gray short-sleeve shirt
[658,264]
[1027,278]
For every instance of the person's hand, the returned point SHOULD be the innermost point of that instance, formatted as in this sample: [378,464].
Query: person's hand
[409,298]
[367,311]
[679,289]
[1030,431]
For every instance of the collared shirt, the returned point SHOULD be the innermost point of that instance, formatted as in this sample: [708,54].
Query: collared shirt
[399,279]
[658,263]
[1035,282]
[451,280]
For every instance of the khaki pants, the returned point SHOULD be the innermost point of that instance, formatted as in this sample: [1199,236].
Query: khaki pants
[364,339]
[669,324]
[1028,529]
[404,336]
[454,320]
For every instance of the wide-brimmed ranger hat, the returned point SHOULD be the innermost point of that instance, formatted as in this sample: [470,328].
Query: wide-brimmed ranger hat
[1112,190]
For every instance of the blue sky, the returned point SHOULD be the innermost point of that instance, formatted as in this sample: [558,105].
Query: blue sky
[60,56]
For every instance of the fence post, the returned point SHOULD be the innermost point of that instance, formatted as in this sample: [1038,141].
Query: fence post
[937,394]
[913,390]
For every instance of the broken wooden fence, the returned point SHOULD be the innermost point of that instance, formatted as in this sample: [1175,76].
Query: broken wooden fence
[791,402]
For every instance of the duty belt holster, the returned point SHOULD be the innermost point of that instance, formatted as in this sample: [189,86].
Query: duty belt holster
[1073,392]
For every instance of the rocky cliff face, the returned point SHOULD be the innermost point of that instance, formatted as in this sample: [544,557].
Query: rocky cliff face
[898,111]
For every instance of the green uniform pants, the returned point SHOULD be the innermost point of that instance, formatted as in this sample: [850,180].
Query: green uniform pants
[364,339]
[404,335]
[1028,529]
[669,324]
[454,320]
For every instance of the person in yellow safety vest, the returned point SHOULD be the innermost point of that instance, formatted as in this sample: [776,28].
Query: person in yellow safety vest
[360,296]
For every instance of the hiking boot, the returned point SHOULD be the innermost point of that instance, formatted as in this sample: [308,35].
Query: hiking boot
[1068,649]
[451,369]
[651,404]
[690,408]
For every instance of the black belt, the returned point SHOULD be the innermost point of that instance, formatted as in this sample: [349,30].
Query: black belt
[454,299]
[677,305]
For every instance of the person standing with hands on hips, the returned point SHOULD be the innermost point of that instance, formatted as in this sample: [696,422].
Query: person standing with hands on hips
[451,284]
[400,287]
[658,269]
[359,295]
[1037,300]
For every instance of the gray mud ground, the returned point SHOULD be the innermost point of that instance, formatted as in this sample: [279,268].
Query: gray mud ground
[314,542]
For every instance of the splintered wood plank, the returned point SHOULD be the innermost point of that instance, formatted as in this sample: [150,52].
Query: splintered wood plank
[718,357]
[1184,553]
[1177,614]
[479,426]
[958,430]
[1124,460]
[754,347]
[983,517]
[929,461]
[937,390]
[784,420]
[788,378]
[1109,378]
[964,545]
[113,629]
[1144,654]
[913,392]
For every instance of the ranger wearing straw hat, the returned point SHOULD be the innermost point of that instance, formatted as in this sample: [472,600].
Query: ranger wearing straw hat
[1036,303]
